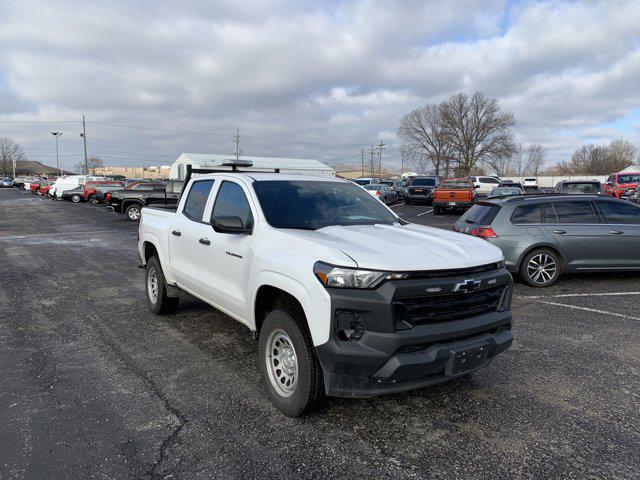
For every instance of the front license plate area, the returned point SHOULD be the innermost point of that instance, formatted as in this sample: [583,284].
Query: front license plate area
[464,361]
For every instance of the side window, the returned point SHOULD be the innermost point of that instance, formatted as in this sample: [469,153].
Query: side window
[575,212]
[197,199]
[489,180]
[526,214]
[548,213]
[619,213]
[232,202]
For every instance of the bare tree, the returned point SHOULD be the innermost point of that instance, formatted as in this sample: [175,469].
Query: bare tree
[92,163]
[621,154]
[424,138]
[476,129]
[535,155]
[10,152]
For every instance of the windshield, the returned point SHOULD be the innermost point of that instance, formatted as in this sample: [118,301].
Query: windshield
[423,182]
[454,185]
[502,191]
[581,188]
[310,205]
[373,187]
[629,178]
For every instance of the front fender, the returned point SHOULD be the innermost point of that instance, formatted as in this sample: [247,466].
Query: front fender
[315,303]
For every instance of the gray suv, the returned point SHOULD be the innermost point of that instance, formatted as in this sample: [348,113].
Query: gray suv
[545,235]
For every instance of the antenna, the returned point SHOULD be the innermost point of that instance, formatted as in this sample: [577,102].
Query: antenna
[237,141]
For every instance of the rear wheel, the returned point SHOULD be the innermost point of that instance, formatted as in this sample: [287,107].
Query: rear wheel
[290,370]
[132,212]
[156,289]
[540,268]
[75,198]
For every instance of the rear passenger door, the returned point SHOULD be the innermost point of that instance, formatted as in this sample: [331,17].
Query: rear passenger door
[623,224]
[581,237]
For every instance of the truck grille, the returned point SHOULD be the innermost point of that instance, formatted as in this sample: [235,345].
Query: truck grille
[431,309]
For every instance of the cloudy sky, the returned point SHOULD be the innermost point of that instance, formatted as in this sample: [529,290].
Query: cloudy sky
[307,79]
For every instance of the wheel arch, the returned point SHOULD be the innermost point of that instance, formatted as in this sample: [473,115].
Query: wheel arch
[542,246]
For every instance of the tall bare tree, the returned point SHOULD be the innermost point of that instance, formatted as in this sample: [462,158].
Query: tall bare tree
[10,151]
[92,163]
[476,129]
[535,155]
[423,137]
[622,153]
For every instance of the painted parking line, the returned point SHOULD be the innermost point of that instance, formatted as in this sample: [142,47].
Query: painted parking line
[397,205]
[569,295]
[592,310]
[424,213]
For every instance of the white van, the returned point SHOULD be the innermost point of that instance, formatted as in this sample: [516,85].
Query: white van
[69,182]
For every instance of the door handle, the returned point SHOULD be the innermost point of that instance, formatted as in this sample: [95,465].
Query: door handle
[177,233]
[616,232]
[560,232]
[205,241]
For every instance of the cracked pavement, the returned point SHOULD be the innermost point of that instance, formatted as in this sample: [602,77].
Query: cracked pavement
[94,386]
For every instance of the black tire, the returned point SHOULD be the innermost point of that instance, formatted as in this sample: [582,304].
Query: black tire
[76,198]
[159,303]
[132,212]
[437,211]
[532,275]
[308,393]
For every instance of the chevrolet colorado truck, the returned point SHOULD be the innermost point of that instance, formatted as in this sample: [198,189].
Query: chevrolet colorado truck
[453,193]
[345,298]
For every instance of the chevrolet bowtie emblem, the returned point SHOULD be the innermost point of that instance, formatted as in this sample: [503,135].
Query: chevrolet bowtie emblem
[467,286]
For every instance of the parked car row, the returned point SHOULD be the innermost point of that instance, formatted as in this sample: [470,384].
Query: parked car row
[126,196]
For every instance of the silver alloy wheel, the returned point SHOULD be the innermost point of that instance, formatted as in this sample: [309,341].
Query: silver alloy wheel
[541,268]
[152,285]
[75,198]
[134,213]
[282,364]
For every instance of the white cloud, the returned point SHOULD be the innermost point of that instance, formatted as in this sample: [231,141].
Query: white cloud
[307,78]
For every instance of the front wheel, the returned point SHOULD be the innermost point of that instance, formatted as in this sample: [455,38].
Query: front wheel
[156,289]
[540,268]
[290,370]
[133,213]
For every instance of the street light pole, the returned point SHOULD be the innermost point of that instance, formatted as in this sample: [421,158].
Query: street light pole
[57,134]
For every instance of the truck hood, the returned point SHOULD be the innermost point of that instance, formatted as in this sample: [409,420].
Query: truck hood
[404,248]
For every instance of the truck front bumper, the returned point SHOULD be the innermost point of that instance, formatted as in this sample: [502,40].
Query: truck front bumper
[377,347]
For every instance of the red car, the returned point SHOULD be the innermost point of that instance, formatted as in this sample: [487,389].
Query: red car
[44,188]
[621,185]
[94,189]
[34,186]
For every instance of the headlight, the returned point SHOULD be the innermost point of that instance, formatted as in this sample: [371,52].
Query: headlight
[500,264]
[340,277]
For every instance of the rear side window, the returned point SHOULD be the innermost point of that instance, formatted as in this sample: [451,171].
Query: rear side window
[575,212]
[619,213]
[527,214]
[548,213]
[232,202]
[197,200]
[481,214]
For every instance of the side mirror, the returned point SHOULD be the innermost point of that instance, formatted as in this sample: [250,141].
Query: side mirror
[229,224]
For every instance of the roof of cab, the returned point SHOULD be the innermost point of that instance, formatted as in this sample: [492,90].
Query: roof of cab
[262,176]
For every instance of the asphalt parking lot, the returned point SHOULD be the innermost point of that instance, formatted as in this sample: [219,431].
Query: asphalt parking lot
[95,386]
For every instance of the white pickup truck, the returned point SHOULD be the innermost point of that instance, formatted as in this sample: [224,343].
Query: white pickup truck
[345,298]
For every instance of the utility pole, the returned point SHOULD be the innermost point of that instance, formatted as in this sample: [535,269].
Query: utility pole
[84,139]
[380,148]
[57,134]
[237,140]
[371,167]
[362,170]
